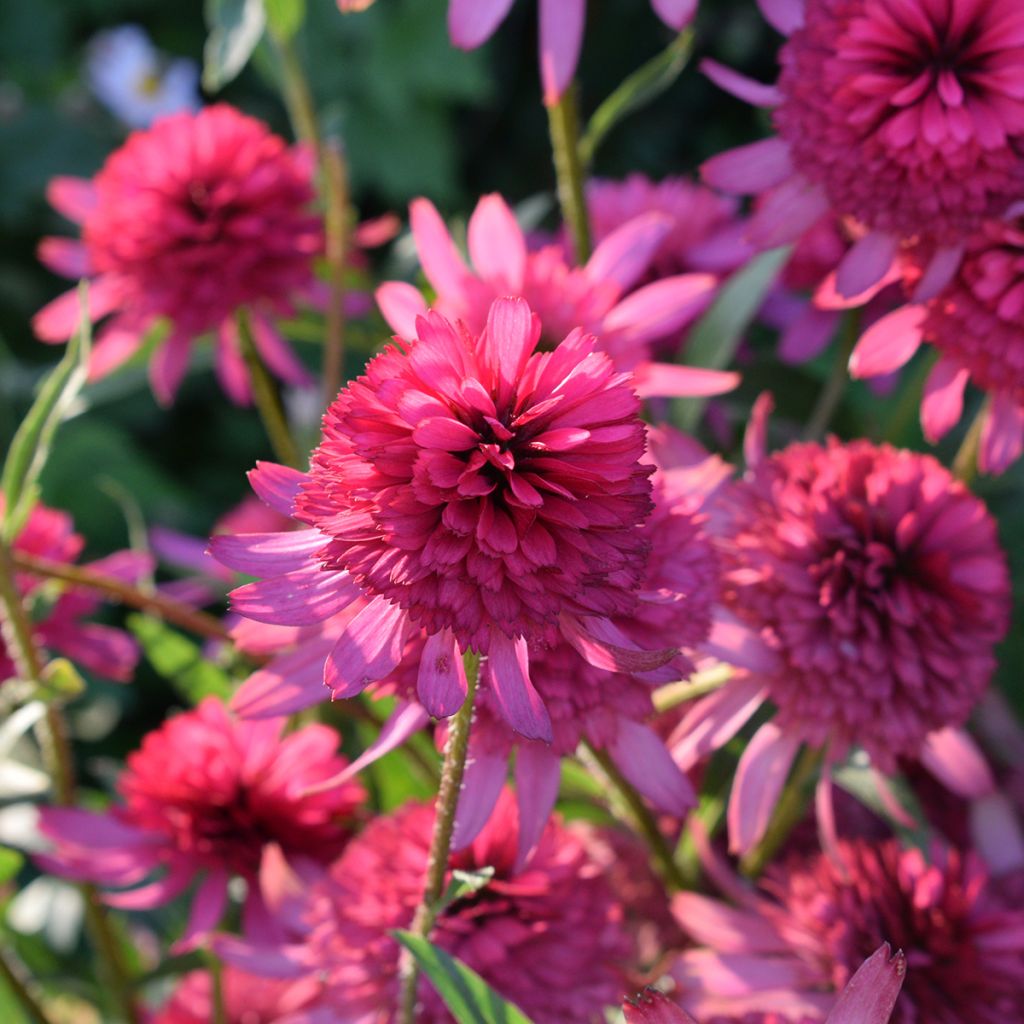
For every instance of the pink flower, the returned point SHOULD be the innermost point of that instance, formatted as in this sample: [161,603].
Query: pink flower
[877,586]
[975,323]
[472,488]
[248,999]
[551,938]
[786,949]
[472,22]
[189,221]
[110,653]
[203,798]
[867,999]
[598,297]
[907,117]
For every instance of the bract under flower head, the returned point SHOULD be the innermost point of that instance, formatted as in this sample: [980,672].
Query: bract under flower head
[197,217]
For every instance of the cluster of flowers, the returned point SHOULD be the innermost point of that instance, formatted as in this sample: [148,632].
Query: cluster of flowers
[486,497]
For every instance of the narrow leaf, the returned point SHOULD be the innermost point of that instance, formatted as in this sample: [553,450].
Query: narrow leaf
[713,341]
[463,884]
[465,993]
[33,439]
[178,660]
[637,90]
[236,26]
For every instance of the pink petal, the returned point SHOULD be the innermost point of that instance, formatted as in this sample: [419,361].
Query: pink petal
[749,169]
[760,776]
[538,775]
[59,319]
[641,756]
[785,16]
[625,255]
[676,14]
[297,598]
[888,343]
[825,813]
[369,649]
[278,962]
[208,907]
[157,893]
[93,830]
[808,335]
[997,834]
[870,994]
[668,380]
[473,22]
[732,642]
[509,671]
[109,652]
[116,342]
[290,683]
[267,554]
[660,308]
[75,198]
[866,263]
[279,356]
[561,36]
[229,364]
[444,267]
[1002,436]
[955,760]
[714,720]
[168,366]
[942,403]
[497,246]
[602,644]
[65,256]
[509,338]
[714,923]
[748,89]
[654,1007]
[481,786]
[276,485]
[755,451]
[787,212]
[441,683]
[940,272]
[400,304]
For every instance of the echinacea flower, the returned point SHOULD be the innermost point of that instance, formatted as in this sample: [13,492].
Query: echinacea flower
[876,584]
[787,948]
[56,621]
[601,297]
[907,117]
[472,22]
[189,222]
[551,938]
[475,489]
[246,999]
[975,323]
[135,81]
[201,800]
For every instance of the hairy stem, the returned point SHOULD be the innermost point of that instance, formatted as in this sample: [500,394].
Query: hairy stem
[154,603]
[563,125]
[335,186]
[440,844]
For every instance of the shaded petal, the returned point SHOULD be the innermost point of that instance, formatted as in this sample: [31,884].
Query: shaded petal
[808,334]
[561,36]
[167,367]
[538,774]
[751,168]
[602,644]
[296,598]
[109,652]
[641,756]
[276,485]
[654,1007]
[481,786]
[508,665]
[59,319]
[116,342]
[888,343]
[747,89]
[940,272]
[676,14]
[75,198]
[267,554]
[229,363]
[942,402]
[723,928]
[497,246]
[737,644]
[155,894]
[625,255]
[441,682]
[208,907]
[866,263]
[279,356]
[760,776]
[955,760]
[369,649]
[997,834]
[1002,435]
[400,304]
[660,308]
[787,212]
[65,256]
[870,994]
[785,16]
[473,22]
[714,720]
[288,684]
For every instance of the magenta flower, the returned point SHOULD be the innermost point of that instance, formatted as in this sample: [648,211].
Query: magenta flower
[551,938]
[56,624]
[975,323]
[868,998]
[598,297]
[472,22]
[247,999]
[786,949]
[876,584]
[907,117]
[203,798]
[472,488]
[189,221]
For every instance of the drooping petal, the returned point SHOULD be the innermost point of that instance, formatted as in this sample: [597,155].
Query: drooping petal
[276,485]
[75,198]
[538,774]
[156,893]
[760,776]
[472,22]
[940,270]
[747,89]
[208,907]
[297,598]
[654,1007]
[676,14]
[942,402]
[888,343]
[509,671]
[640,754]
[808,335]
[441,683]
[230,366]
[116,342]
[733,642]
[866,263]
[279,356]
[787,212]
[714,720]
[481,786]
[602,644]
[267,554]
[1002,435]
[561,37]
[59,319]
[168,366]
[288,684]
[749,169]
[625,255]
[785,16]
[669,380]
[65,256]
[955,760]
[870,995]
[997,834]
[369,649]
[723,928]
[109,652]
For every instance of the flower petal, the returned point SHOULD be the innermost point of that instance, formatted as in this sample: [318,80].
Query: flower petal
[955,760]
[747,89]
[497,246]
[888,343]
[714,720]
[561,37]
[676,14]
[298,598]
[400,303]
[441,683]
[866,263]
[444,267]
[276,485]
[785,16]
[751,168]
[640,754]
[1002,435]
[942,402]
[508,666]
[870,994]
[625,255]
[267,554]
[538,774]
[369,649]
[481,785]
[473,22]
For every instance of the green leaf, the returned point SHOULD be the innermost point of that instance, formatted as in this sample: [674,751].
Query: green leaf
[463,884]
[179,660]
[713,341]
[236,26]
[285,17]
[33,439]
[637,90]
[10,864]
[469,998]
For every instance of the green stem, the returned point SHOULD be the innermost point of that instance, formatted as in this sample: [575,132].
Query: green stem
[13,980]
[642,817]
[789,812]
[965,462]
[214,966]
[698,685]
[335,180]
[563,125]
[298,97]
[17,633]
[153,603]
[832,393]
[440,845]
[267,399]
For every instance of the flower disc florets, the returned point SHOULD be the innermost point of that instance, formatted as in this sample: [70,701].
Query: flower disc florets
[480,485]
